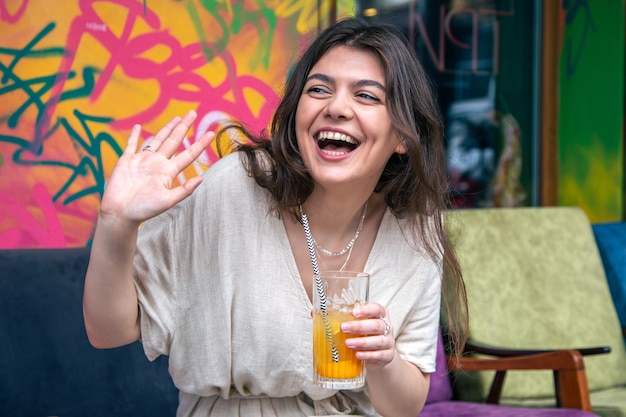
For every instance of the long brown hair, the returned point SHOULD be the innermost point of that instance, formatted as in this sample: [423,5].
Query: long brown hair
[414,185]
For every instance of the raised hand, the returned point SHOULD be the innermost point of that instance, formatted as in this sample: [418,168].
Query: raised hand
[140,186]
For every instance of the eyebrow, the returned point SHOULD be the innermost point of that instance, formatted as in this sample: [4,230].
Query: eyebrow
[361,83]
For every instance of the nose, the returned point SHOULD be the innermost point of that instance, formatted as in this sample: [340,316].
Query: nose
[339,106]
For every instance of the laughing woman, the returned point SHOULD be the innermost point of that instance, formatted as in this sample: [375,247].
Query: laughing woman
[219,276]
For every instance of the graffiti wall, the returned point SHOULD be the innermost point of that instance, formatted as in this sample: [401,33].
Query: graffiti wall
[591,110]
[75,78]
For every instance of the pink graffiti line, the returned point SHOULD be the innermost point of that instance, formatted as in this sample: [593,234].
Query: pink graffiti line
[82,25]
[227,97]
[5,14]
[30,233]
[178,80]
[175,74]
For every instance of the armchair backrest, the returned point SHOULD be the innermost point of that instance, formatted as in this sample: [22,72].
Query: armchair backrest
[535,280]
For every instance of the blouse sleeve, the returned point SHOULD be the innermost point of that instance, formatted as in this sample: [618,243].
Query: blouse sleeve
[416,339]
[155,281]
[408,283]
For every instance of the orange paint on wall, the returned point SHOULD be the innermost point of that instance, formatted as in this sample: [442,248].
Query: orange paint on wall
[74,79]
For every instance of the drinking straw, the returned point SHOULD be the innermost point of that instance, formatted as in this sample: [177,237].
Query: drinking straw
[319,286]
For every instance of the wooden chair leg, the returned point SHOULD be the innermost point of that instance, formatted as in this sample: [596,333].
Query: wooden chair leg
[496,388]
[569,385]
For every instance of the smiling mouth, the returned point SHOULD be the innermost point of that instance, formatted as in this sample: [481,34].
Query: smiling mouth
[334,143]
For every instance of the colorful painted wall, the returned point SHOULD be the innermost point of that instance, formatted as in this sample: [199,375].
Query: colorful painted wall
[75,77]
[591,109]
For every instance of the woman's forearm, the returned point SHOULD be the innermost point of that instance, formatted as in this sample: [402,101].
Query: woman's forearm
[110,305]
[398,389]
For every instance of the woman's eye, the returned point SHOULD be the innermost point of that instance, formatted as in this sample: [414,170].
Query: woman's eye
[316,90]
[368,96]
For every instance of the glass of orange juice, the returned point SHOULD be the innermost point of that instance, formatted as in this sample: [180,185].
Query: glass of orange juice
[335,295]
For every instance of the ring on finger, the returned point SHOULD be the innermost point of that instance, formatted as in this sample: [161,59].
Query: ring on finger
[149,148]
[387,325]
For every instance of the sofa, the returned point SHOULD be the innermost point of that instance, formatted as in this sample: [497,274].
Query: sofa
[48,367]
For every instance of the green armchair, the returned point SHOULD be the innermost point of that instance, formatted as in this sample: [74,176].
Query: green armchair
[535,281]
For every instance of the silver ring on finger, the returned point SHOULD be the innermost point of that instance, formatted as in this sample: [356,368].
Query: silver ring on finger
[387,325]
[149,148]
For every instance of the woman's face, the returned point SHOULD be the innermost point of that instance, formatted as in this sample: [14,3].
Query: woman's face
[343,127]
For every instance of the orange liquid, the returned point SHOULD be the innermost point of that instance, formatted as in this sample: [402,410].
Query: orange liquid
[348,366]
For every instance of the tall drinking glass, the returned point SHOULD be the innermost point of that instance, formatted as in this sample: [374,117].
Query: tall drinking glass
[335,295]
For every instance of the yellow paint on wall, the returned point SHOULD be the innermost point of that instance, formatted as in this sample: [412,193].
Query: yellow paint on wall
[593,186]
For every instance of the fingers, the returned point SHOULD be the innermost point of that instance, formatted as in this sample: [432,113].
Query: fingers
[166,143]
[374,320]
[375,350]
[183,191]
[373,327]
[164,132]
[192,153]
[168,139]
[373,334]
[133,139]
[171,143]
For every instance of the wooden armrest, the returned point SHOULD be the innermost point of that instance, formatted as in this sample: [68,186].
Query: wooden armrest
[568,368]
[476,347]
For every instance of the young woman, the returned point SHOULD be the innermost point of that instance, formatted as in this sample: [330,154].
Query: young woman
[219,277]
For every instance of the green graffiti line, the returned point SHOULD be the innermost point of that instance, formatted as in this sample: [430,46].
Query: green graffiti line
[89,150]
[210,51]
[28,51]
[31,152]
[27,86]
[93,152]
[241,17]
[36,87]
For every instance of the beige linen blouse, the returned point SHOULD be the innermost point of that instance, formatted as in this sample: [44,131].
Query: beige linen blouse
[220,293]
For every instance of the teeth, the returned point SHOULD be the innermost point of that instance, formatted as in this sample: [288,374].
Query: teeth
[334,153]
[338,136]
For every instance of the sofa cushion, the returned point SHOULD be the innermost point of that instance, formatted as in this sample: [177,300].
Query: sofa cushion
[468,409]
[47,365]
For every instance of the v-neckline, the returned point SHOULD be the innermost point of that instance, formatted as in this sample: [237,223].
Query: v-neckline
[293,265]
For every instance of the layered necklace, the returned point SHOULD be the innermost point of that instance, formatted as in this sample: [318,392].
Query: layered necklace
[348,247]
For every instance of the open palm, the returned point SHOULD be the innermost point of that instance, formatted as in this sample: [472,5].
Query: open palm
[140,186]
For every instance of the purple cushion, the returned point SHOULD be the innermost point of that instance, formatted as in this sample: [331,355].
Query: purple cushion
[440,388]
[468,409]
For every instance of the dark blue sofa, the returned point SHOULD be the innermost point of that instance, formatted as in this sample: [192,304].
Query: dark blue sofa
[47,366]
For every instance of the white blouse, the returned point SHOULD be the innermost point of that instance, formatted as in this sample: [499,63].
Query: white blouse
[220,293]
